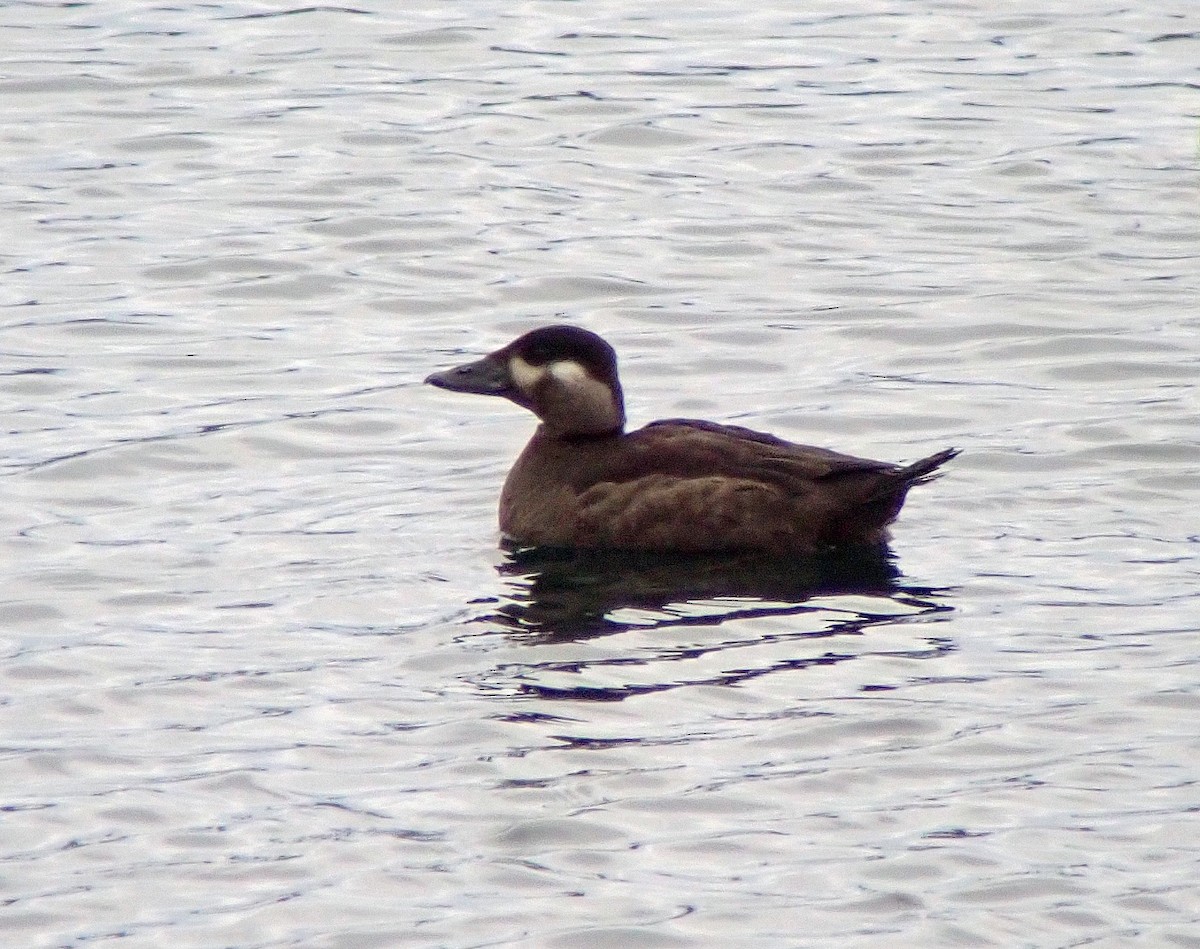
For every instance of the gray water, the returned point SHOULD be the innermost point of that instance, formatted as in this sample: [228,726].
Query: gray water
[266,678]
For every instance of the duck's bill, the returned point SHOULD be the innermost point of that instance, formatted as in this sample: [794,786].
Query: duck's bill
[484,377]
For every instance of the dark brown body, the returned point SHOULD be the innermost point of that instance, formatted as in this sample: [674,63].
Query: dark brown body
[683,485]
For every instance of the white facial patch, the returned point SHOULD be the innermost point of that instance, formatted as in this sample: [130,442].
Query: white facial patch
[571,376]
[525,375]
[574,399]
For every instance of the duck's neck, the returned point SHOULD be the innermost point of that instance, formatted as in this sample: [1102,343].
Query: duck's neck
[573,434]
[585,409]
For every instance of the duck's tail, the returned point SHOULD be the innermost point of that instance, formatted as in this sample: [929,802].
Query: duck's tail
[872,511]
[924,470]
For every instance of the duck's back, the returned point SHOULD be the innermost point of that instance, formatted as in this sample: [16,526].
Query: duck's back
[686,485]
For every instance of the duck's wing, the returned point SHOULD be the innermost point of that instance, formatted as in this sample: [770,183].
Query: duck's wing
[692,445]
[687,484]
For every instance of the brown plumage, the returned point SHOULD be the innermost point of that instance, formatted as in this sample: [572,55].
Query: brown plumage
[676,485]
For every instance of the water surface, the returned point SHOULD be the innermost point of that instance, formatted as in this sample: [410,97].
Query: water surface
[267,678]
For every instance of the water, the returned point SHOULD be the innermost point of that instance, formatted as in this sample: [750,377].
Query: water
[268,680]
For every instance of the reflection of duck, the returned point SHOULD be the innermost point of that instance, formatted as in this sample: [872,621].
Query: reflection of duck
[562,594]
[773,615]
[678,485]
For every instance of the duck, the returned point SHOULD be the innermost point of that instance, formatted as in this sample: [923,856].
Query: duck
[675,486]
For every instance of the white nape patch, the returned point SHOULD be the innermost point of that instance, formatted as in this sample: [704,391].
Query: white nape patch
[570,374]
[591,396]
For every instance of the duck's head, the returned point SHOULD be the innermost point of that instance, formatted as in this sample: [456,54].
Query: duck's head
[565,375]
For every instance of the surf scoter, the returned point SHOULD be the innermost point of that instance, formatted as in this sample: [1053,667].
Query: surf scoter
[677,485]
